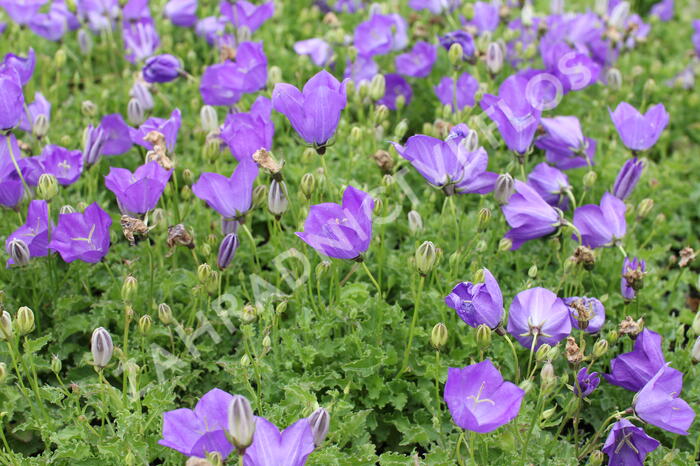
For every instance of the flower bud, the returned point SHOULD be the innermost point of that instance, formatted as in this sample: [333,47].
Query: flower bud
[649,87]
[145,323]
[322,268]
[526,385]
[400,130]
[212,149]
[644,207]
[547,413]
[484,217]
[259,196]
[204,273]
[56,364]
[227,249]
[3,372]
[267,343]
[186,193]
[455,54]
[483,337]
[88,108]
[426,257]
[241,423]
[600,348]
[494,57]
[85,41]
[505,244]
[102,347]
[695,352]
[135,112]
[589,179]
[165,314]
[381,113]
[6,325]
[542,352]
[438,337]
[377,87]
[355,135]
[614,78]
[40,126]
[613,336]
[471,142]
[19,252]
[25,320]
[274,75]
[209,119]
[320,421]
[67,209]
[415,222]
[532,271]
[277,201]
[47,187]
[596,459]
[129,288]
[547,372]
[505,187]
[308,185]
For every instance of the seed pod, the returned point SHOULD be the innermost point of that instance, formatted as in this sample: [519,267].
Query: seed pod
[25,320]
[241,423]
[227,249]
[102,347]
[320,421]
[19,252]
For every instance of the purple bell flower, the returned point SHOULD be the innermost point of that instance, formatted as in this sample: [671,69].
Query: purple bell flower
[140,39]
[225,83]
[271,447]
[40,106]
[341,231]
[82,236]
[663,10]
[181,13]
[11,98]
[94,141]
[245,14]
[169,128]
[696,36]
[245,133]
[363,69]
[434,6]
[381,34]
[162,69]
[135,10]
[538,311]
[637,131]
[529,216]
[467,86]
[52,25]
[230,197]
[24,66]
[418,62]
[11,187]
[202,430]
[213,29]
[478,303]
[138,192]
[634,369]
[486,16]
[479,399]
[100,15]
[117,136]
[628,445]
[604,225]
[34,232]
[313,112]
[632,273]
[22,11]
[462,38]
[586,382]
[564,144]
[66,165]
[573,69]
[627,178]
[659,403]
[396,86]
[319,50]
[551,184]
[593,308]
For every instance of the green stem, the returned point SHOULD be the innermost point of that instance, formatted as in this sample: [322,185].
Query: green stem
[411,331]
[535,417]
[371,277]
[8,140]
[595,438]
[532,352]
[515,358]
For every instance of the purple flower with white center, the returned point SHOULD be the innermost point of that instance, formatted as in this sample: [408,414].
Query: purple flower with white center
[478,303]
[396,86]
[24,66]
[40,106]
[22,11]
[343,231]
[586,382]
[574,70]
[245,133]
[632,274]
[588,308]
[564,144]
[637,131]
[11,187]
[245,14]
[363,69]
[511,110]
[663,10]
[66,165]
[317,49]
[466,89]
[140,39]
[604,225]
[138,192]
[11,98]
[628,445]
[231,197]
[479,399]
[434,6]
[418,62]
[381,34]
[462,38]
[202,430]
[271,447]
[313,112]
[168,128]
[162,69]
[634,369]
[449,164]
[551,184]
[116,133]
[225,83]
[34,232]
[627,178]
[181,13]
[82,236]
[529,216]
[537,313]
[658,403]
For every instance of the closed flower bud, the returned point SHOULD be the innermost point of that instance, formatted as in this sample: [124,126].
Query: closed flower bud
[322,268]
[25,320]
[145,323]
[85,41]
[596,459]
[455,54]
[526,385]
[281,307]
[483,337]
[204,273]
[426,257]
[245,361]
[40,127]
[56,364]
[484,218]
[209,119]
[274,76]
[102,347]
[494,57]
[355,135]
[589,179]
[415,222]
[277,201]
[600,348]
[186,193]
[6,325]
[241,423]
[377,87]
[88,108]
[614,78]
[505,187]
[320,421]
[547,413]
[212,149]
[267,342]
[645,207]
[66,209]
[47,187]
[135,112]
[165,314]
[542,352]
[400,130]
[19,252]
[695,351]
[249,314]
[696,324]
[532,271]
[378,206]
[649,87]
[308,185]
[438,337]
[129,288]
[381,113]
[259,196]
[505,244]
[547,372]
[205,249]
[227,249]
[613,336]
[3,372]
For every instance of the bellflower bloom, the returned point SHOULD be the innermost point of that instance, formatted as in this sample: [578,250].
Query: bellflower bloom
[53,24]
[181,13]
[162,69]
[381,34]
[696,36]
[396,86]
[586,382]
[140,39]
[202,430]
[637,131]
[467,86]
[245,133]
[100,15]
[40,106]
[169,128]
[434,6]
[138,192]
[418,62]
[551,184]
[342,231]
[486,16]
[22,11]
[11,98]
[225,83]
[117,136]
[479,399]
[34,232]
[11,187]
[628,445]
[634,369]
[318,50]
[313,112]
[478,303]
[604,225]
[83,236]
[659,403]
[363,69]
[538,312]
[245,14]
[271,447]
[462,38]
[592,308]
[574,70]
[449,164]
[66,165]
[663,10]
[627,178]
[631,268]
[230,197]
[24,66]
[212,28]
[564,144]
[529,216]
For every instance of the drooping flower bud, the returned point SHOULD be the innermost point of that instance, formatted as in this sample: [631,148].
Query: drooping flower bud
[165,314]
[129,288]
[241,423]
[19,252]
[25,320]
[415,222]
[438,337]
[6,325]
[102,347]
[277,201]
[320,421]
[227,249]
[505,187]
[426,257]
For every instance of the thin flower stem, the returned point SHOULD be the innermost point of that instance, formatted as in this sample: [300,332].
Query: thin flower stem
[8,140]
[125,350]
[371,277]
[515,358]
[571,197]
[252,242]
[532,351]
[622,250]
[471,448]
[458,452]
[437,385]
[412,329]
[591,444]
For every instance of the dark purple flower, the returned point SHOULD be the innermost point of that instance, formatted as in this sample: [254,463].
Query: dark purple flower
[465,91]
[225,83]
[11,98]
[271,447]
[637,131]
[396,86]
[634,369]
[230,197]
[140,39]
[529,216]
[201,430]
[227,249]
[34,232]
[313,112]
[22,11]
[604,225]
[117,135]
[40,106]
[538,312]
[245,133]
[592,308]
[138,192]
[479,399]
[659,403]
[169,128]
[478,303]
[162,69]
[663,9]
[340,231]
[245,14]
[449,164]
[586,382]
[632,274]
[82,236]
[418,62]
[628,445]
[66,165]
[181,12]
[11,187]
[564,143]
[363,69]
[319,50]
[627,178]
[551,184]
[381,34]
[462,38]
